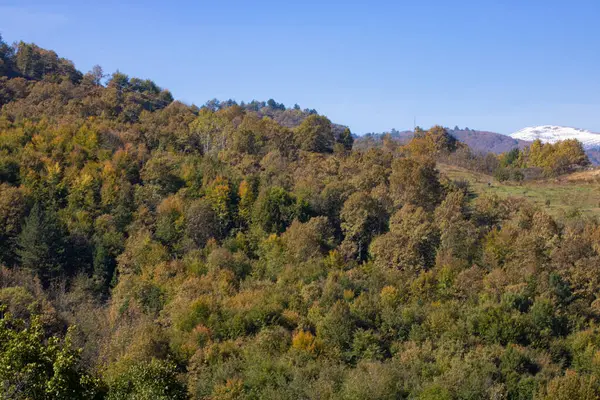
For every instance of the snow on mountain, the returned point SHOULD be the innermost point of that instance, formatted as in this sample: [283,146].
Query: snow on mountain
[552,134]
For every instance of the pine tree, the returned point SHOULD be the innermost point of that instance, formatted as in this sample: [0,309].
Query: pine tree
[40,244]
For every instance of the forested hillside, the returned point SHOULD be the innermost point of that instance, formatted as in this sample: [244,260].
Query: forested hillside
[155,250]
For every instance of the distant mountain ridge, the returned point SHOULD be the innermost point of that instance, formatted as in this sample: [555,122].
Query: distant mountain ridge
[486,141]
[479,141]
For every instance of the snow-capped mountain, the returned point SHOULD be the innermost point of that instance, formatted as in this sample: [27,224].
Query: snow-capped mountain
[552,134]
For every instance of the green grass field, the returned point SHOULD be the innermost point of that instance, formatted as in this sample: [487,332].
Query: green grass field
[559,197]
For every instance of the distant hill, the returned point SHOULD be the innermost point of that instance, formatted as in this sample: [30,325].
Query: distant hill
[485,141]
[479,141]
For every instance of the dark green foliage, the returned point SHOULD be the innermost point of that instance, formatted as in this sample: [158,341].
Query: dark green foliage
[511,157]
[7,67]
[346,139]
[12,211]
[275,209]
[41,246]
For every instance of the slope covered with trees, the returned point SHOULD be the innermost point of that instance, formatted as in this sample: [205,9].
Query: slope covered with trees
[154,250]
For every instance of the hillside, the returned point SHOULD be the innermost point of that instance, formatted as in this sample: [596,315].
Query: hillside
[151,249]
[488,142]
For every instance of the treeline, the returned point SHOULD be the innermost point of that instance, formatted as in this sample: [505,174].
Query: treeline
[549,159]
[535,161]
[154,250]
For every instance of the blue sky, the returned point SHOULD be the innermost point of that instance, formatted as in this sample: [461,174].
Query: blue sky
[494,65]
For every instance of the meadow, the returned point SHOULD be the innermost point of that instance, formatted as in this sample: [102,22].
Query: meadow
[574,194]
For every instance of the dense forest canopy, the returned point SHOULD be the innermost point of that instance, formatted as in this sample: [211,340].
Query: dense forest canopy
[155,250]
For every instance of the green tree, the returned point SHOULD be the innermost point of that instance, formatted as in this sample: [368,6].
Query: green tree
[335,329]
[346,139]
[154,380]
[41,243]
[274,210]
[362,218]
[6,59]
[315,134]
[207,133]
[33,367]
[12,211]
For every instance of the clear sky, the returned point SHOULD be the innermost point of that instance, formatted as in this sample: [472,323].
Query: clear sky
[372,65]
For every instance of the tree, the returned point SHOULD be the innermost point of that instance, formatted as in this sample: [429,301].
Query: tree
[119,81]
[6,59]
[207,133]
[362,218]
[415,181]
[441,140]
[162,170]
[310,239]
[36,63]
[12,211]
[202,222]
[509,158]
[335,328]
[458,235]
[32,367]
[170,223]
[275,209]
[346,139]
[29,61]
[222,199]
[555,158]
[247,195]
[154,380]
[435,141]
[41,243]
[315,134]
[411,243]
[571,386]
[95,76]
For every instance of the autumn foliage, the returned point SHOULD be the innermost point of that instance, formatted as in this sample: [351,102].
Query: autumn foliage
[156,250]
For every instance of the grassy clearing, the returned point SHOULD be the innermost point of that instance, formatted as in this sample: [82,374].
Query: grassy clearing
[560,197]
